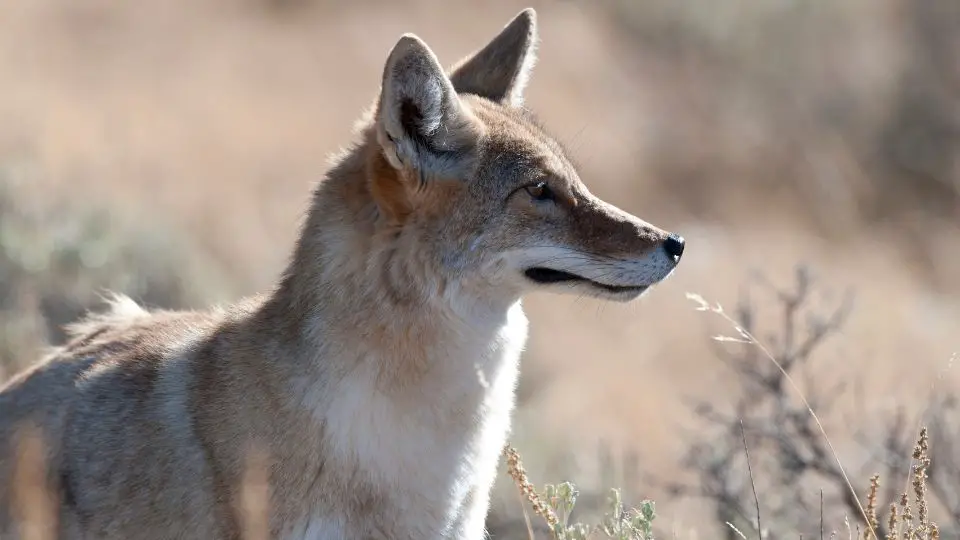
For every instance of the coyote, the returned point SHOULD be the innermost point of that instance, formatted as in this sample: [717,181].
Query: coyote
[377,378]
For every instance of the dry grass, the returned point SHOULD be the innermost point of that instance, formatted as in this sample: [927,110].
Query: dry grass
[554,500]
[901,524]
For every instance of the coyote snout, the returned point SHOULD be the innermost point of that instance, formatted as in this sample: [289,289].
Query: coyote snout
[596,249]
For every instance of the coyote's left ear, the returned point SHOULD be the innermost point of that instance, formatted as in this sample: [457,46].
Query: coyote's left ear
[499,71]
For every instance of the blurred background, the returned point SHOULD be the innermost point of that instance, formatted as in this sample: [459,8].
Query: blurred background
[809,151]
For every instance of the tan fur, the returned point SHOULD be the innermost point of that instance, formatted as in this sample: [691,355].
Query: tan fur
[378,376]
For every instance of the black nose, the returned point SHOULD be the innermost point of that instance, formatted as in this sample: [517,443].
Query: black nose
[673,245]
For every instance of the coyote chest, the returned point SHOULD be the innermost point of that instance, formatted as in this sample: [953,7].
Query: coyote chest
[433,457]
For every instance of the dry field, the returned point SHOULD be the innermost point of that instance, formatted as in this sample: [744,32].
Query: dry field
[175,142]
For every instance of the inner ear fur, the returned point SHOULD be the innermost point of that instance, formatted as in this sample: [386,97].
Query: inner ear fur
[421,121]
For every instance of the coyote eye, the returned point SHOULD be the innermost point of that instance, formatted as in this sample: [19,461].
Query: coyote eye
[540,192]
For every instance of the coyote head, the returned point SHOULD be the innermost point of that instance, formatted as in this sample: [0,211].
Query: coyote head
[480,198]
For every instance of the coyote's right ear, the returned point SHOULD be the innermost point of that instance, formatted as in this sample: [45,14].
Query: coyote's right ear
[422,124]
[499,71]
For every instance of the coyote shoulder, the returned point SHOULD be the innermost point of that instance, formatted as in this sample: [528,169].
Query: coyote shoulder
[377,378]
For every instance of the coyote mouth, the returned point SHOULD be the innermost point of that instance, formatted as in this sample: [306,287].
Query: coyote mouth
[548,276]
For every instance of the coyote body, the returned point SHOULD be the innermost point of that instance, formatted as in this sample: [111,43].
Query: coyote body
[377,379]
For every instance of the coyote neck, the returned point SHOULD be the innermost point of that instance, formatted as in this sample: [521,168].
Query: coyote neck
[358,294]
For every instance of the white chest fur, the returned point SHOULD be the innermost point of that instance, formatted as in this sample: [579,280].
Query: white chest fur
[435,451]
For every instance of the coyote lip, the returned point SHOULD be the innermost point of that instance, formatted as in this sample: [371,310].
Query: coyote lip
[548,276]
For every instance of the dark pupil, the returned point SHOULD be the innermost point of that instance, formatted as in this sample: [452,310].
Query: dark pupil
[539,191]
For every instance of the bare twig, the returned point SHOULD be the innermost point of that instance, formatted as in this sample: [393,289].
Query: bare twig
[753,483]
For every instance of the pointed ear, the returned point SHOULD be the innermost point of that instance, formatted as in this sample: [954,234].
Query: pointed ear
[421,122]
[499,71]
